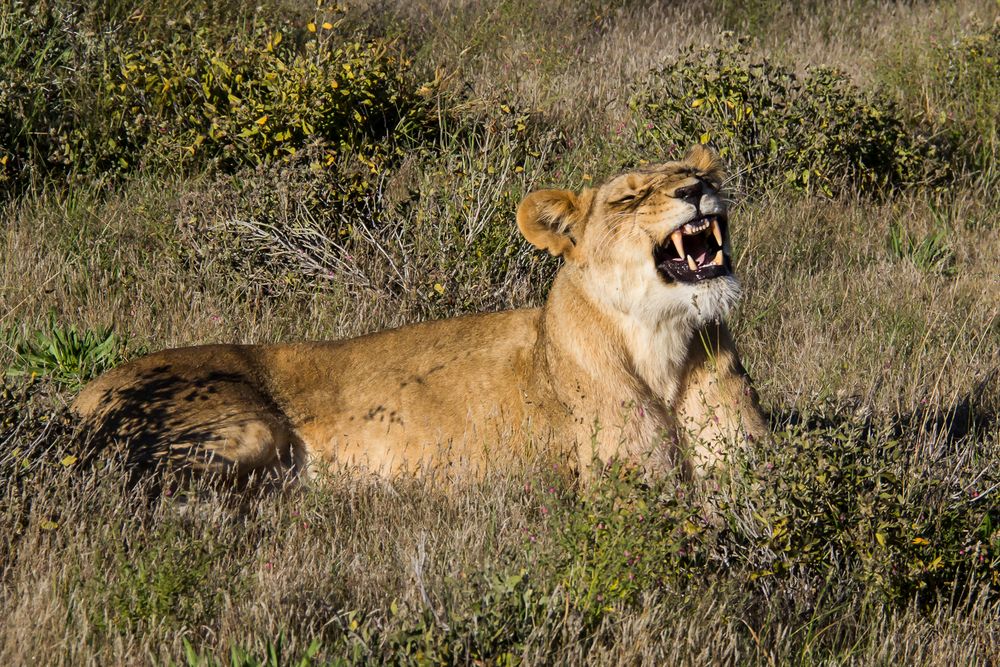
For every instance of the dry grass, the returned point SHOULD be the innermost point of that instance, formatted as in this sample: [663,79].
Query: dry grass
[875,318]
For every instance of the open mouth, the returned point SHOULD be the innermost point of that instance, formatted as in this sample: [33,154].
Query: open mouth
[694,251]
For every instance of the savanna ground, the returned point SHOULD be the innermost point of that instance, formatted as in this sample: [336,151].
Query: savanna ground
[185,171]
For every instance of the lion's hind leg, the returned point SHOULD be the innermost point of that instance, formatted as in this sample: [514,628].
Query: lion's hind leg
[239,442]
[191,421]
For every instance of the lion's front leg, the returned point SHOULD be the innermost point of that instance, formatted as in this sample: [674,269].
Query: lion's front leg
[716,406]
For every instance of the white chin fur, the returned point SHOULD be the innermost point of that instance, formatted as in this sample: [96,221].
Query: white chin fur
[644,295]
[702,302]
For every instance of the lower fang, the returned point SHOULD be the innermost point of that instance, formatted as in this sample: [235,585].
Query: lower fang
[718,259]
[691,264]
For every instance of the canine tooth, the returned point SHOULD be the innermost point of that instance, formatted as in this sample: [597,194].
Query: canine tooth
[678,238]
[717,231]
[691,264]
[718,259]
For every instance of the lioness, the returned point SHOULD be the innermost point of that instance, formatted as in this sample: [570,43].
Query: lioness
[628,358]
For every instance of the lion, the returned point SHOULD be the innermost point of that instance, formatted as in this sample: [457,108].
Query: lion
[629,359]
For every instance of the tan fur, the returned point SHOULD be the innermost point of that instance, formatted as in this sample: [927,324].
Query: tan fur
[618,363]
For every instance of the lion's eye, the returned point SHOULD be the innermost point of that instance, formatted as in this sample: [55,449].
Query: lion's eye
[627,199]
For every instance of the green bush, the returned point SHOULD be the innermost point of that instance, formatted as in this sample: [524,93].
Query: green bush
[971,80]
[192,99]
[953,88]
[32,52]
[164,576]
[189,101]
[835,502]
[816,132]
[445,212]
[848,501]
[623,538]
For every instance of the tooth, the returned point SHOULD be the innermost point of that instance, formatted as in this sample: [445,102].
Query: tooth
[691,264]
[718,259]
[678,239]
[717,231]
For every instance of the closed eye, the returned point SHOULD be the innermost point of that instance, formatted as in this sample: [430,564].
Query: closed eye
[628,199]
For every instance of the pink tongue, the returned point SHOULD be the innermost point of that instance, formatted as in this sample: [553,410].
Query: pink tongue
[699,259]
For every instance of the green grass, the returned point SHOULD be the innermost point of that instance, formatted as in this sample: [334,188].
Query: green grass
[864,531]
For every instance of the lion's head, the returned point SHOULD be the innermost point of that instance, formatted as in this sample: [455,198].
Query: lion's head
[650,243]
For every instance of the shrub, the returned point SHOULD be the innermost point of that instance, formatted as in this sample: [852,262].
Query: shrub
[192,99]
[953,88]
[623,538]
[971,86]
[846,500]
[32,50]
[828,503]
[816,132]
[162,576]
[435,231]
[189,101]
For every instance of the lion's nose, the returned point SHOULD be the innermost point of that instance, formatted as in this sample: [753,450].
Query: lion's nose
[689,191]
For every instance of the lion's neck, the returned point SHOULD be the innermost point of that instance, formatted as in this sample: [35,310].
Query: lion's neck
[621,357]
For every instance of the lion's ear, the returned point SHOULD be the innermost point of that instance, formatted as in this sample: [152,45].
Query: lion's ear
[707,162]
[550,220]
